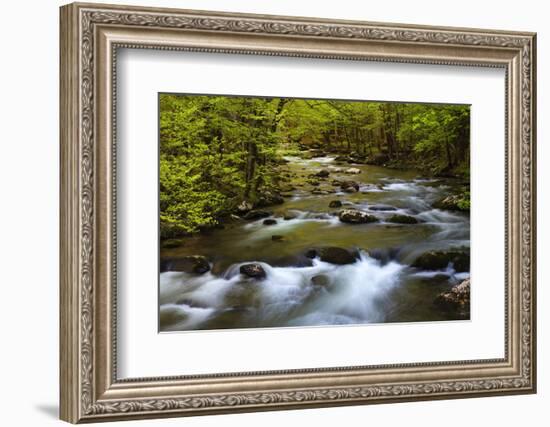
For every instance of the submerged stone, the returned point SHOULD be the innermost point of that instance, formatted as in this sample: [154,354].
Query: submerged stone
[381,207]
[402,219]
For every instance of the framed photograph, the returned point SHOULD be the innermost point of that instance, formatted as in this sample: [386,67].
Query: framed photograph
[266,212]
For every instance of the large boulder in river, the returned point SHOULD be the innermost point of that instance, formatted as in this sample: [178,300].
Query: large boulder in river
[193,264]
[333,255]
[253,270]
[335,204]
[349,186]
[355,216]
[269,221]
[456,300]
[437,260]
[402,219]
[256,214]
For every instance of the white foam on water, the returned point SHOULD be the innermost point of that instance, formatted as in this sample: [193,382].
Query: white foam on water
[351,294]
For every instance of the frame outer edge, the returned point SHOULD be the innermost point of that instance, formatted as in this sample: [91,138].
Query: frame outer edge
[77,302]
[69,356]
[533,209]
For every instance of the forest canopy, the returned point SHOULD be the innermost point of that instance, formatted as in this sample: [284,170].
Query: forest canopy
[218,152]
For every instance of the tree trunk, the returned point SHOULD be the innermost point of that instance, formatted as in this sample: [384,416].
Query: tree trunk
[252,149]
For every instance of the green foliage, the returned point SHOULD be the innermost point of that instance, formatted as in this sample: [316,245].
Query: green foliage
[214,152]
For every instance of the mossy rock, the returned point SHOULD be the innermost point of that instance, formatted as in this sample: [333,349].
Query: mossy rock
[452,203]
[437,260]
[355,216]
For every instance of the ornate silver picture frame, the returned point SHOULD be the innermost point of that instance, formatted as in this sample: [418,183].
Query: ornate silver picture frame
[91,390]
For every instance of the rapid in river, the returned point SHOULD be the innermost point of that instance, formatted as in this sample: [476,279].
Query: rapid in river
[275,270]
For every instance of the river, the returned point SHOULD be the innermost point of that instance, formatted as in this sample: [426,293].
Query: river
[381,286]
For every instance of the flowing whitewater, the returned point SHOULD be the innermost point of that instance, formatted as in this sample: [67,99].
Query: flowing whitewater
[294,285]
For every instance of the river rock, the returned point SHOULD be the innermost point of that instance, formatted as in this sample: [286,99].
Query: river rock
[457,299]
[336,183]
[313,182]
[378,159]
[277,238]
[335,204]
[288,215]
[349,186]
[355,216]
[333,255]
[193,264]
[381,207]
[450,203]
[318,191]
[269,221]
[253,270]
[341,159]
[402,219]
[436,260]
[338,170]
[244,207]
[256,214]
[352,171]
[268,198]
[323,173]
